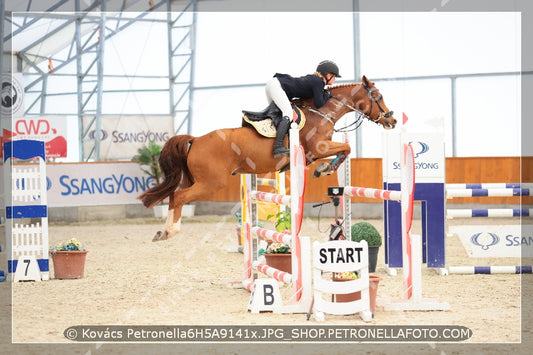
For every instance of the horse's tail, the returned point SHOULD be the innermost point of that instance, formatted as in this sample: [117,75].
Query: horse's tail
[173,163]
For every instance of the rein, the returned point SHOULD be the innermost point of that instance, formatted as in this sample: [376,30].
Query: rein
[360,114]
[358,121]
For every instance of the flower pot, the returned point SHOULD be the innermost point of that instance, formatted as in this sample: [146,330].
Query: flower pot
[239,237]
[346,297]
[372,292]
[372,257]
[69,264]
[281,262]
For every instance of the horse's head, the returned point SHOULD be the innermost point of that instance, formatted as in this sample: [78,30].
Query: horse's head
[366,99]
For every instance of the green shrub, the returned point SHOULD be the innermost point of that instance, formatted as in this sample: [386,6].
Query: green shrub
[149,156]
[366,231]
[283,221]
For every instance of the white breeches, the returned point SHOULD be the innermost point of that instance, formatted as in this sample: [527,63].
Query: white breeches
[275,93]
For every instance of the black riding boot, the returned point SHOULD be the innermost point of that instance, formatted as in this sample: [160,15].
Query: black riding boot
[282,129]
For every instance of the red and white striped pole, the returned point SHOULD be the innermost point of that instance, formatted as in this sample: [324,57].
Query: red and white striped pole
[407,189]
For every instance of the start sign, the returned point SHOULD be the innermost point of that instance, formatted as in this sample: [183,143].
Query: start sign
[341,255]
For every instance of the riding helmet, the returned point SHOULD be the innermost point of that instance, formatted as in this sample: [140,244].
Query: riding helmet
[327,66]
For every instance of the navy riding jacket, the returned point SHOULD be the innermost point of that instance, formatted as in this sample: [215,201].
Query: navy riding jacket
[304,87]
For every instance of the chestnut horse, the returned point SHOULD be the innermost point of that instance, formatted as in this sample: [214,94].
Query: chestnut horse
[194,168]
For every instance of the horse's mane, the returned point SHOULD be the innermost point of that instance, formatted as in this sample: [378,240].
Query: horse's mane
[338,86]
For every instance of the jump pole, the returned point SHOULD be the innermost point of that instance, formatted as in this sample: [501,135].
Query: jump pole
[469,270]
[451,193]
[300,276]
[489,213]
[497,185]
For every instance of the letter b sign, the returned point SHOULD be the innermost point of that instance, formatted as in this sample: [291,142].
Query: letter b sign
[265,296]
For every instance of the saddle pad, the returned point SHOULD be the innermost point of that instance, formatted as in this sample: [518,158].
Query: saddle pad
[266,127]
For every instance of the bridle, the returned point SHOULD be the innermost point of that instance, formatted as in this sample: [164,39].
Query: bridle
[382,114]
[358,121]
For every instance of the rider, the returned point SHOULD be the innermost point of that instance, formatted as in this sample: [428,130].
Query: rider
[283,87]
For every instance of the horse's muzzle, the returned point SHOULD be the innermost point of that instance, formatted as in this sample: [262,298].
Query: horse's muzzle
[389,122]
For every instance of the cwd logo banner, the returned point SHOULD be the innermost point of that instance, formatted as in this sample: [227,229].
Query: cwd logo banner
[495,241]
[50,129]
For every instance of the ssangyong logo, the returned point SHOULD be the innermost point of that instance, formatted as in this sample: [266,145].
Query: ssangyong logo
[484,239]
[419,148]
[103,134]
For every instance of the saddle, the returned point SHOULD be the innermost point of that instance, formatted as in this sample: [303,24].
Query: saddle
[266,121]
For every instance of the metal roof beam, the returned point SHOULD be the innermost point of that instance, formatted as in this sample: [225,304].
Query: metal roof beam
[31,22]
[88,49]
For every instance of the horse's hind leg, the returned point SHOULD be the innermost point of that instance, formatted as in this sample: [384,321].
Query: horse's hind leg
[329,168]
[171,224]
[162,235]
[325,149]
[179,198]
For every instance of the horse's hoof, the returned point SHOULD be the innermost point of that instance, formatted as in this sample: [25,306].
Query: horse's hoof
[156,236]
[160,236]
[322,169]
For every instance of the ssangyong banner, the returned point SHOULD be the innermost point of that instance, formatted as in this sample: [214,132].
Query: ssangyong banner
[428,148]
[122,136]
[50,129]
[495,241]
[94,184]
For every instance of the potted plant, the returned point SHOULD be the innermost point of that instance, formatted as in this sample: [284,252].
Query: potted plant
[366,231]
[349,297]
[69,259]
[148,155]
[148,159]
[278,255]
[346,276]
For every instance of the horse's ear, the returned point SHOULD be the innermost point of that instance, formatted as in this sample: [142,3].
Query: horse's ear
[365,80]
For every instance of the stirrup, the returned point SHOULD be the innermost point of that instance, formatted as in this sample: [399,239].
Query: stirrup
[278,152]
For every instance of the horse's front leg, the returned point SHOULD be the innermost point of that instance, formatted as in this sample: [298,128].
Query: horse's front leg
[342,150]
